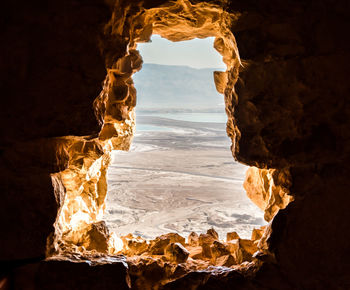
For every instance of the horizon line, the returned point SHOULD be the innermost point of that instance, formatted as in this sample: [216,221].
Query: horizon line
[183,65]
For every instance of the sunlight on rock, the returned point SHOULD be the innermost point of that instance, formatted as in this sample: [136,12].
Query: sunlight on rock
[81,186]
[179,175]
[268,189]
[116,244]
[68,85]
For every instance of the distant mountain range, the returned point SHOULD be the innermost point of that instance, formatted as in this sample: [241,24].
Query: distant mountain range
[177,88]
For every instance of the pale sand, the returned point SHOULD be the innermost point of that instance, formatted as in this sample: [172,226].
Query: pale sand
[171,182]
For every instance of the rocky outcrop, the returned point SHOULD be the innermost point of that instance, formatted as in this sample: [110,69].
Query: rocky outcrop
[268,189]
[68,101]
[74,272]
[51,73]
[176,252]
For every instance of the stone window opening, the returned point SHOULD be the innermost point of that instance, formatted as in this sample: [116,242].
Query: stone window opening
[81,188]
[180,175]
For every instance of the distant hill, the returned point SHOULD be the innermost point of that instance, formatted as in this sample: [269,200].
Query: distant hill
[169,87]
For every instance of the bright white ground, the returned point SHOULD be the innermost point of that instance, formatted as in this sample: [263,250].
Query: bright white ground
[179,177]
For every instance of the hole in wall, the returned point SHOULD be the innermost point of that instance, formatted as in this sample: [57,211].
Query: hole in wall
[179,175]
[81,188]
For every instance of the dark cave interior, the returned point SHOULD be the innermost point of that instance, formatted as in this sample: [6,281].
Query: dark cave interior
[68,101]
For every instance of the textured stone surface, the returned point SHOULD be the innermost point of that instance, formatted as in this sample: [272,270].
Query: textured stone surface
[134,246]
[257,233]
[51,73]
[158,245]
[174,238]
[176,252]
[213,233]
[216,279]
[96,237]
[231,236]
[193,239]
[290,112]
[101,273]
[268,189]
[218,250]
[226,261]
[195,252]
[205,241]
[68,100]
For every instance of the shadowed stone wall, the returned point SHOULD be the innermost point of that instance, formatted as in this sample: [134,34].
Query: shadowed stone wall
[63,112]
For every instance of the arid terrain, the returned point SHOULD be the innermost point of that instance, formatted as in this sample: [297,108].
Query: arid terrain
[179,176]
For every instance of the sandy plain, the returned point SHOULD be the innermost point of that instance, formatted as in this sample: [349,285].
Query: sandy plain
[179,176]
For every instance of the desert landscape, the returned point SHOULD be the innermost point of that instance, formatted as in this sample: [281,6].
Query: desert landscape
[179,176]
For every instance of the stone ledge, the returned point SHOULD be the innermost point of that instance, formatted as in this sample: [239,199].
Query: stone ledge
[74,272]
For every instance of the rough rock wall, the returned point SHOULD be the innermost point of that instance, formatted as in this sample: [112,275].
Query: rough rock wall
[288,111]
[52,71]
[293,112]
[83,181]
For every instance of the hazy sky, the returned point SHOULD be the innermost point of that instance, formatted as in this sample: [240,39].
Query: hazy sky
[197,53]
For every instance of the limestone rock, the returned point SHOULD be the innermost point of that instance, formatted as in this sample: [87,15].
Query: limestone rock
[227,261]
[145,272]
[242,250]
[257,233]
[213,233]
[127,237]
[135,245]
[267,188]
[96,237]
[206,239]
[158,245]
[176,252]
[118,93]
[193,239]
[286,98]
[232,245]
[231,236]
[220,79]
[206,251]
[218,249]
[91,273]
[174,238]
[195,252]
[248,246]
